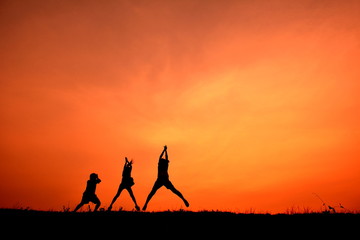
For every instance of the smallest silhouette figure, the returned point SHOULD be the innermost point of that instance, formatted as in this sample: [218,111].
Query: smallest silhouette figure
[89,193]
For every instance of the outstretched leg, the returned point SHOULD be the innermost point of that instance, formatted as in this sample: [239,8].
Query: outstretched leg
[174,190]
[98,203]
[133,198]
[78,206]
[178,193]
[115,198]
[151,194]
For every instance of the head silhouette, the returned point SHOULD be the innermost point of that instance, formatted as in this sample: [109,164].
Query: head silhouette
[93,176]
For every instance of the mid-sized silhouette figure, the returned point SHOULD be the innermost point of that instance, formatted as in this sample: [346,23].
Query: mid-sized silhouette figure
[126,183]
[163,179]
[89,193]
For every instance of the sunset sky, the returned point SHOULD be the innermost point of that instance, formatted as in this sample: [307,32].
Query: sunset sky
[257,101]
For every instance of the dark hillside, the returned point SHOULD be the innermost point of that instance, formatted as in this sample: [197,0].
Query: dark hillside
[180,223]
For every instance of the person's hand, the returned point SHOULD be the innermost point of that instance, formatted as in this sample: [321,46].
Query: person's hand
[165,147]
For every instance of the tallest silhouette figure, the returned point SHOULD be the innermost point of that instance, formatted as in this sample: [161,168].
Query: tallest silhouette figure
[163,179]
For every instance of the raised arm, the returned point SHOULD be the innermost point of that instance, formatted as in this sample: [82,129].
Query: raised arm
[163,152]
[126,162]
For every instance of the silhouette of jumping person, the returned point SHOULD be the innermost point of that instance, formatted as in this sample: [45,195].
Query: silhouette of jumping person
[89,193]
[163,179]
[126,183]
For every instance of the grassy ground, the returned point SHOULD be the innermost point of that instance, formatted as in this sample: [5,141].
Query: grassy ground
[178,224]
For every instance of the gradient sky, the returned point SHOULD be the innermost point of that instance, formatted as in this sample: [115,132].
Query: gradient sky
[257,101]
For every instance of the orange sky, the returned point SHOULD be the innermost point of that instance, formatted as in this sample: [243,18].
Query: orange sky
[257,101]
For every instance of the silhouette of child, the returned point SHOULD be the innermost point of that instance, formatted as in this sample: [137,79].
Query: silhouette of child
[163,180]
[126,183]
[89,193]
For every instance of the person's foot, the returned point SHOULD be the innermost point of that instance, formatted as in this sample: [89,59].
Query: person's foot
[109,208]
[186,203]
[137,208]
[144,208]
